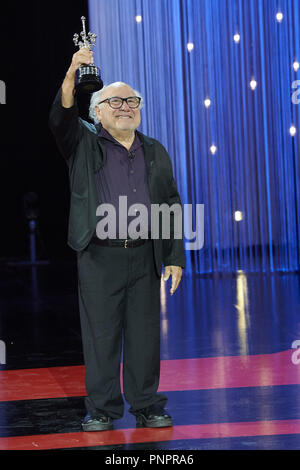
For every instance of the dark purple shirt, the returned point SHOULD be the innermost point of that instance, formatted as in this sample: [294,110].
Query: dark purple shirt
[124,174]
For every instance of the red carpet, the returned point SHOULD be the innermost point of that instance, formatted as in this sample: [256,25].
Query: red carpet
[123,436]
[176,375]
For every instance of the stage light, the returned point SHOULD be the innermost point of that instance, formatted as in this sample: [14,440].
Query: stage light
[138,18]
[207,102]
[253,84]
[296,66]
[190,46]
[237,38]
[238,216]
[31,206]
[213,149]
[279,17]
[293,130]
[31,212]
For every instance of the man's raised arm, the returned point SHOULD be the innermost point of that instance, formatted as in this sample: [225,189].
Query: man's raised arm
[63,119]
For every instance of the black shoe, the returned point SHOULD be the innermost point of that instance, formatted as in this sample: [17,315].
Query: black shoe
[154,416]
[101,422]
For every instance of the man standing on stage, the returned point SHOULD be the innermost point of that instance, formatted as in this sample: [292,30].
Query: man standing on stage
[118,279]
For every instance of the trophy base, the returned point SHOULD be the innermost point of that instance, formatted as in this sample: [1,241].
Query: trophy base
[88,79]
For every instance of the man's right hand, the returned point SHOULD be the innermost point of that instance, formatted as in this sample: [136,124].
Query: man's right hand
[83,56]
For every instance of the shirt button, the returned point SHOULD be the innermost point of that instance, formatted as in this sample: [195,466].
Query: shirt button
[134,190]
[131,171]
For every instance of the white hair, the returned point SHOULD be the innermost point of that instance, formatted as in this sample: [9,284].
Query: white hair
[96,98]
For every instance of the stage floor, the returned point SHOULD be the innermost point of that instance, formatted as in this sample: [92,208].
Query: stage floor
[229,366]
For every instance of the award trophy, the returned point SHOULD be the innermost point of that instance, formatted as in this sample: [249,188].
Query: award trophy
[88,77]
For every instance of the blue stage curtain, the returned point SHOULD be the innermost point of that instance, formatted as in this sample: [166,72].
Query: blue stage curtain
[255,168]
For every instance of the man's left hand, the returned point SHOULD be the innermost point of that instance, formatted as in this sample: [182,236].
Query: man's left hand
[176,273]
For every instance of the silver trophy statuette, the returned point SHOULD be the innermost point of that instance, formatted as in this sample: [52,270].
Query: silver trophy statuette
[88,78]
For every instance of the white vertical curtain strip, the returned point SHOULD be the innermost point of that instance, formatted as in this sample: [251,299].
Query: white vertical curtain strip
[255,169]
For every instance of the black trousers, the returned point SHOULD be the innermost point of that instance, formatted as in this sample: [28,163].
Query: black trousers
[119,303]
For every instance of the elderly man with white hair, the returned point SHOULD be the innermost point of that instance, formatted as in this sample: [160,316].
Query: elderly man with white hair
[118,276]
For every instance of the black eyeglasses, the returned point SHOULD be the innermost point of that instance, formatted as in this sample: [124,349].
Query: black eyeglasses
[116,102]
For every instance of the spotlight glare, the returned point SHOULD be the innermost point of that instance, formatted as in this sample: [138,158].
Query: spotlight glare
[296,66]
[190,46]
[238,216]
[253,84]
[279,17]
[213,149]
[237,38]
[207,102]
[293,130]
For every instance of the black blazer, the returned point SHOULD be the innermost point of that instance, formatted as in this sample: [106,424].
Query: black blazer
[84,153]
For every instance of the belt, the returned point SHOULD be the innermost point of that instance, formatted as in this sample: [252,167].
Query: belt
[129,243]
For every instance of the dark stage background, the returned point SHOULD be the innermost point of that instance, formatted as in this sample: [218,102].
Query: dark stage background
[36,50]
